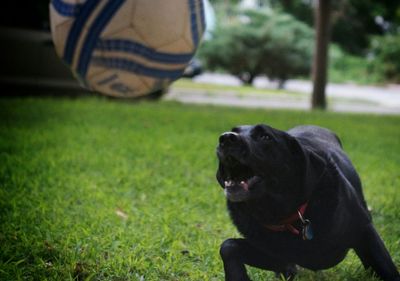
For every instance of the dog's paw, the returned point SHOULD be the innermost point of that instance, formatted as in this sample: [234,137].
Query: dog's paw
[288,273]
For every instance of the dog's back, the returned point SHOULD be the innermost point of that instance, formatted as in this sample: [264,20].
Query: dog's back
[322,139]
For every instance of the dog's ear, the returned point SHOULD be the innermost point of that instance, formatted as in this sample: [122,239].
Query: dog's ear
[312,164]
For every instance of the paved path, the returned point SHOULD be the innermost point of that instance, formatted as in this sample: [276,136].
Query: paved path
[341,97]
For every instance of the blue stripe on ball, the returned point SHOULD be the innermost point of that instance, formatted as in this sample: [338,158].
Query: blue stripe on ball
[94,32]
[76,29]
[193,22]
[137,68]
[135,48]
[66,9]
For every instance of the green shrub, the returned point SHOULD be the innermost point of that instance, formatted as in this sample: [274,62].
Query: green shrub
[344,67]
[261,42]
[386,57]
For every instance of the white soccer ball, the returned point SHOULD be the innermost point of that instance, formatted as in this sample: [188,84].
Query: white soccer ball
[127,48]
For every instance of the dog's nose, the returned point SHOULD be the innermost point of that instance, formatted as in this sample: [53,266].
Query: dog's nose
[228,138]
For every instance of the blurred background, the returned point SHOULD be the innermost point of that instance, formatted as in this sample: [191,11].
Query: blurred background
[364,39]
[266,44]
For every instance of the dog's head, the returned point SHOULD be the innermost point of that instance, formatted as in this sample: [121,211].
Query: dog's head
[258,162]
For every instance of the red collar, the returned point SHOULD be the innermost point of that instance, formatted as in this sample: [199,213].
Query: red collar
[287,224]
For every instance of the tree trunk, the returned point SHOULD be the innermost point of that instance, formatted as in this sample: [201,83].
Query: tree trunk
[247,78]
[320,65]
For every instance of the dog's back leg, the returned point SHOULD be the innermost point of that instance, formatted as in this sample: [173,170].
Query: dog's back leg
[373,254]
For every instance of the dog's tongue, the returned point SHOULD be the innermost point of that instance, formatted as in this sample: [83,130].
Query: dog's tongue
[231,183]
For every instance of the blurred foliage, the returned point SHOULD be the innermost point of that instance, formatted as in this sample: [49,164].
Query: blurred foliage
[353,21]
[261,42]
[347,68]
[386,57]
[364,48]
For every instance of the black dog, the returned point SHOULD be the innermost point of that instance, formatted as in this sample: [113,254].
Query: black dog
[297,200]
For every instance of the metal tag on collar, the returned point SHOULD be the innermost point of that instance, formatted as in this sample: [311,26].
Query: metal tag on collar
[306,229]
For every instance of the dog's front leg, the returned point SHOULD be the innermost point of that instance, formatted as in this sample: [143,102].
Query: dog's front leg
[231,253]
[373,254]
[235,253]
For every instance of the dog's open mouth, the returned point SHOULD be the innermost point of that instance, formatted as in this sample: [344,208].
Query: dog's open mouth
[237,178]
[236,173]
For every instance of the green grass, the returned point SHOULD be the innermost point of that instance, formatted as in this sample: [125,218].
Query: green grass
[188,84]
[93,189]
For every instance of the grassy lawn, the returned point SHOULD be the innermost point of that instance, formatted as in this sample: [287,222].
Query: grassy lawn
[213,90]
[186,83]
[93,189]
[243,90]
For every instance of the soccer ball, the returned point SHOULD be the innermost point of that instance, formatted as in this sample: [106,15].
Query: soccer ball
[127,48]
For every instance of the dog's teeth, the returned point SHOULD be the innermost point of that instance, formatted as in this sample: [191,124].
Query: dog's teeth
[228,183]
[245,185]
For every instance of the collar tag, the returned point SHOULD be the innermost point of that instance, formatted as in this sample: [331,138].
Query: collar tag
[306,230]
